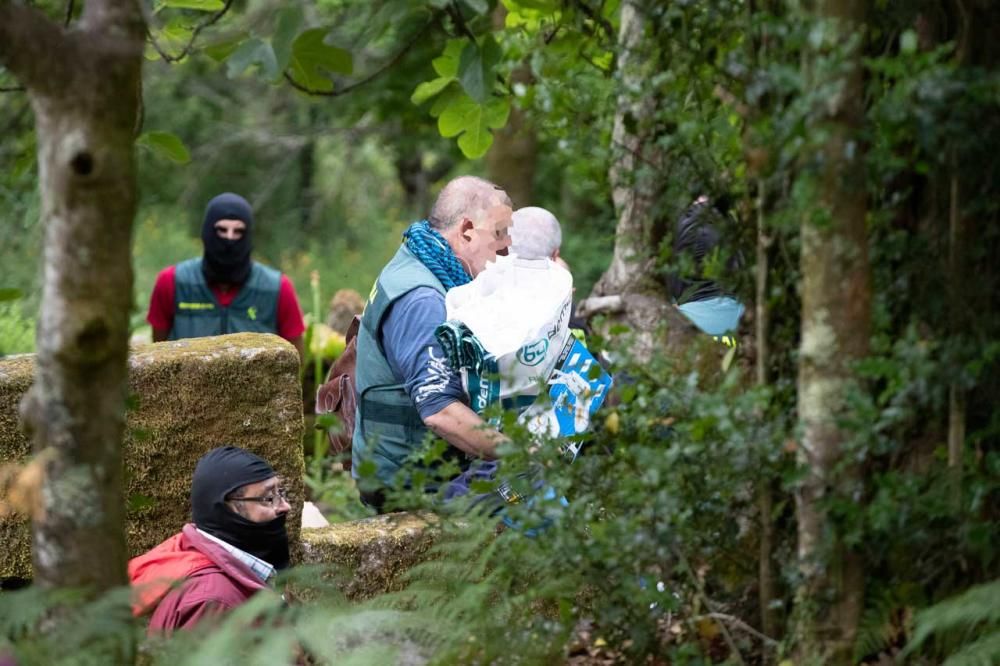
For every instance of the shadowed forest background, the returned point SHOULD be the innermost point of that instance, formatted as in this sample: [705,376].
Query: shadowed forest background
[827,493]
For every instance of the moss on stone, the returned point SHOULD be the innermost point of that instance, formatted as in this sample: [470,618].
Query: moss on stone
[188,396]
[378,550]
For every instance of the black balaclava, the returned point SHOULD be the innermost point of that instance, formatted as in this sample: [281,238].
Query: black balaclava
[218,473]
[227,261]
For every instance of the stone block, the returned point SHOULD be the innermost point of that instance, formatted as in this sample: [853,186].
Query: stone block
[188,396]
[377,550]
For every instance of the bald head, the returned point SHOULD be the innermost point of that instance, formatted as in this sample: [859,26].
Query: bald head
[465,196]
[535,234]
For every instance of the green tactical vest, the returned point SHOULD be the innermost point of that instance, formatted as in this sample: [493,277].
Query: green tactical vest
[387,426]
[198,314]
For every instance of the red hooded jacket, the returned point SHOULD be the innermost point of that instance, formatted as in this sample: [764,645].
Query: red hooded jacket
[214,581]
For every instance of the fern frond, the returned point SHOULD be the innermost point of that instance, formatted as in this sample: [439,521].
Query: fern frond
[977,605]
[984,652]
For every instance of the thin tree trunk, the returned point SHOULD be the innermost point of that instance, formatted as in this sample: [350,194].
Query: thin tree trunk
[85,87]
[513,157]
[632,189]
[635,169]
[836,321]
[956,395]
[767,585]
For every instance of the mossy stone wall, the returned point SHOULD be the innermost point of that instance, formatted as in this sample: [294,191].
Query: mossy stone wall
[377,551]
[187,397]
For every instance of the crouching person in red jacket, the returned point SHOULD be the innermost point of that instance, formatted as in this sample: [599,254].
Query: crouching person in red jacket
[231,551]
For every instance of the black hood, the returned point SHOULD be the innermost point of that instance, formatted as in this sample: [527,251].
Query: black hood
[218,473]
[227,261]
[696,235]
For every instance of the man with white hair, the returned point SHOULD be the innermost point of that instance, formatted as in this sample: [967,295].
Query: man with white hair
[535,234]
[404,385]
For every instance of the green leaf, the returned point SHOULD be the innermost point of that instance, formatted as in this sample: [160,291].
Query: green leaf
[200,5]
[252,52]
[445,100]
[446,64]
[10,294]
[475,68]
[478,6]
[473,122]
[541,5]
[219,51]
[166,145]
[175,35]
[289,23]
[908,42]
[312,60]
[428,89]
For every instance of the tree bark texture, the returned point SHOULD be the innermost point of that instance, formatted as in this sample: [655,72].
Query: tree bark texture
[767,592]
[85,85]
[513,158]
[634,174]
[836,321]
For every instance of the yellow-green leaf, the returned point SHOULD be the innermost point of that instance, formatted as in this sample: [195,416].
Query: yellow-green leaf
[200,5]
[428,89]
[473,122]
[166,145]
[446,64]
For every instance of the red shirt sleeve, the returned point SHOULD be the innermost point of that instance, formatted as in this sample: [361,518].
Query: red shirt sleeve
[290,322]
[161,301]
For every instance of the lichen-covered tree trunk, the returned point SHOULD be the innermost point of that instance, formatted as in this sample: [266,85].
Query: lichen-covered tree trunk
[85,87]
[628,291]
[836,321]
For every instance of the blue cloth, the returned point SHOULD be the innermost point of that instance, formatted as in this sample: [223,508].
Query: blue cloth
[433,251]
[714,316]
[414,354]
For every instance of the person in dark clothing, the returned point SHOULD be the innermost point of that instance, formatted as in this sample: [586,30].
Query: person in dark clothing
[224,290]
[232,549]
[699,298]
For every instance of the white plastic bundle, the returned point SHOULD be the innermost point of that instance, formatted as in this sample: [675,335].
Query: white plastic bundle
[519,311]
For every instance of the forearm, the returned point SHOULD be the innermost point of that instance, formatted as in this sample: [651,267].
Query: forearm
[465,430]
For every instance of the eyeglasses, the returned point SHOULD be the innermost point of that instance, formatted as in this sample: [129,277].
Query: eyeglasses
[267,500]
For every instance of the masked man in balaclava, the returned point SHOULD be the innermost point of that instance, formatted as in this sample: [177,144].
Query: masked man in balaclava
[224,291]
[231,551]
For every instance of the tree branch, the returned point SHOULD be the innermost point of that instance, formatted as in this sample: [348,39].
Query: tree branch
[456,15]
[194,35]
[29,44]
[740,624]
[371,77]
[603,23]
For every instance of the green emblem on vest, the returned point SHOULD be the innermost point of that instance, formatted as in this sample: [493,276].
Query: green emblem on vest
[252,313]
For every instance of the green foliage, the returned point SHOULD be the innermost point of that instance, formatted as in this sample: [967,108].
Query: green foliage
[17,331]
[67,627]
[466,109]
[166,145]
[312,58]
[970,620]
